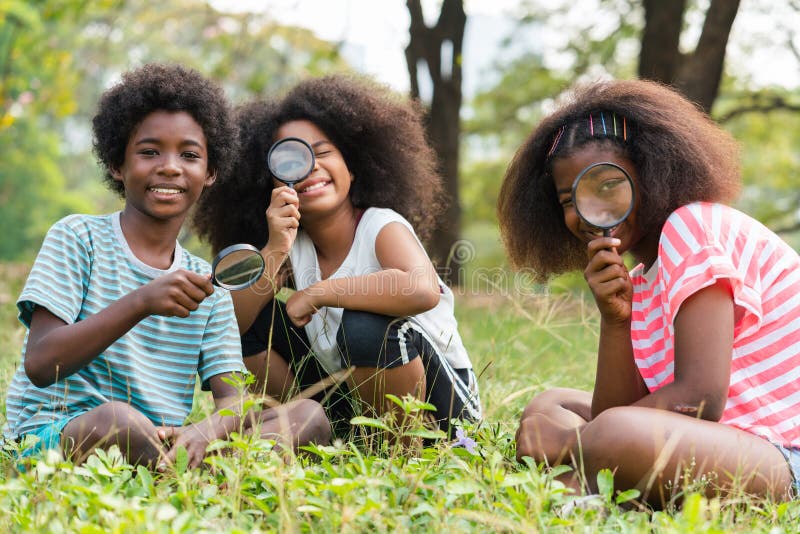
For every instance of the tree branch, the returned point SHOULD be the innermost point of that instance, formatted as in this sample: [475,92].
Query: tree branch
[768,105]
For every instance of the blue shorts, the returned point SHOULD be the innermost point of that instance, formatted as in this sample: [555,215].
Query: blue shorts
[49,436]
[792,455]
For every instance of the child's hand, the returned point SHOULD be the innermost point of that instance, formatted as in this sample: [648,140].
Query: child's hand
[609,281]
[283,219]
[175,294]
[192,438]
[300,307]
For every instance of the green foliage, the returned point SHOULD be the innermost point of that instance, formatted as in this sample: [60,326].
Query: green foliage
[56,57]
[36,90]
[770,155]
[570,47]
[32,189]
[521,347]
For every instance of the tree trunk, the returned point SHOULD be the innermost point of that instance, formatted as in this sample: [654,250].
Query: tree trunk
[659,57]
[439,49]
[697,74]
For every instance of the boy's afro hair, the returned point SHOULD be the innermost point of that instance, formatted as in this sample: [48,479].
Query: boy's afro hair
[162,87]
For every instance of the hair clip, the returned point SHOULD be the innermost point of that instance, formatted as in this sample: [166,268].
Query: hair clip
[556,139]
[602,115]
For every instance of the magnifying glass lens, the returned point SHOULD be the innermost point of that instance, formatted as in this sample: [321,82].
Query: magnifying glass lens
[603,195]
[237,267]
[290,160]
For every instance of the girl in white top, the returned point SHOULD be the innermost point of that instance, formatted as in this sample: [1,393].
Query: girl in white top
[367,294]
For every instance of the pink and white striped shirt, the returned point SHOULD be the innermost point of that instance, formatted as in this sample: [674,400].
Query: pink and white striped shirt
[701,243]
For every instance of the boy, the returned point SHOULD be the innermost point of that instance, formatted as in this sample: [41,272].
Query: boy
[121,319]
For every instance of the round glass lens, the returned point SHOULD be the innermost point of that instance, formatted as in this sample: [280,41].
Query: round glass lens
[603,195]
[238,269]
[290,160]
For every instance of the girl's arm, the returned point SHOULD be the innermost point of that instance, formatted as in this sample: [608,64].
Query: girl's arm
[283,220]
[407,285]
[56,350]
[248,302]
[618,381]
[703,352]
[703,344]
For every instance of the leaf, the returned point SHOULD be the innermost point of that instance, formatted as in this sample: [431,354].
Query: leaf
[425,433]
[560,470]
[516,479]
[627,495]
[145,478]
[605,484]
[21,13]
[360,420]
[397,400]
[463,487]
[181,460]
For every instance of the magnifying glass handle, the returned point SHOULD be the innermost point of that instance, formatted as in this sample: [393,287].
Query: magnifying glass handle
[607,232]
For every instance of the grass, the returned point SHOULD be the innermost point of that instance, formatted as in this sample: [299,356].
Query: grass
[519,346]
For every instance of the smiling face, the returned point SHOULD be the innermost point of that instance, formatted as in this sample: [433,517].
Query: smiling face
[328,186]
[165,167]
[566,169]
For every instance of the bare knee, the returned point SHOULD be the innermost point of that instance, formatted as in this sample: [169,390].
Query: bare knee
[554,399]
[112,423]
[318,427]
[542,439]
[373,383]
[296,423]
[620,439]
[615,429]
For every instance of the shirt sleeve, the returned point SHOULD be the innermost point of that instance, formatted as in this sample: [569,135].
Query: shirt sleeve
[384,218]
[59,278]
[695,256]
[221,351]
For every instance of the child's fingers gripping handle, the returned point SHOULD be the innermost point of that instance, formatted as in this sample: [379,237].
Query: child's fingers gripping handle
[166,433]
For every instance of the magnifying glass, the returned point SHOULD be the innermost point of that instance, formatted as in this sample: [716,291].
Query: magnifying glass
[290,160]
[603,194]
[237,267]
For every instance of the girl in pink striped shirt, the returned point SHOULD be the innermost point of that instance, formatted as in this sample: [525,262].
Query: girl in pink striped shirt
[699,351]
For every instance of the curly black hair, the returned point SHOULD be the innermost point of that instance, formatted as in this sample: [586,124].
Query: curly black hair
[379,133]
[162,87]
[680,154]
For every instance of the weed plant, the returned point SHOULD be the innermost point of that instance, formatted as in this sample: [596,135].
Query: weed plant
[388,478]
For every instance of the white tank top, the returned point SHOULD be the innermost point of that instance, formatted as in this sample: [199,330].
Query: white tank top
[438,325]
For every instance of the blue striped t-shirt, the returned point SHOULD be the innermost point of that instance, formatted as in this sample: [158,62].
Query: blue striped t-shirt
[84,266]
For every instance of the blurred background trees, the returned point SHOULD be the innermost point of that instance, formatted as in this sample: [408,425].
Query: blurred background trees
[57,56]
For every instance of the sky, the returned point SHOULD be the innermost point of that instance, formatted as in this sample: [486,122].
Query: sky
[376,33]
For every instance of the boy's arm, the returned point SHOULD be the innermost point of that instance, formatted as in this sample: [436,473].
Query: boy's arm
[407,285]
[56,349]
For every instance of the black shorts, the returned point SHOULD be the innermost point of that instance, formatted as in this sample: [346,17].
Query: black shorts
[367,340]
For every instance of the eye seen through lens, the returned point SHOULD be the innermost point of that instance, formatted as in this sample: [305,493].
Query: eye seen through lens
[603,195]
[290,160]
